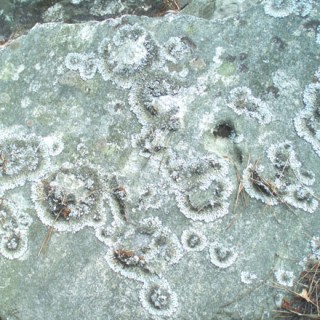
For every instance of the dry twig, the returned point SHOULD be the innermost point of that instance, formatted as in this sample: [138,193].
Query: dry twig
[304,301]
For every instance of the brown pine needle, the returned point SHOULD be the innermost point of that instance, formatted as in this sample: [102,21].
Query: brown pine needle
[45,242]
[304,301]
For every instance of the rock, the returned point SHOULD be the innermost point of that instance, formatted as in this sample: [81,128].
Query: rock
[158,167]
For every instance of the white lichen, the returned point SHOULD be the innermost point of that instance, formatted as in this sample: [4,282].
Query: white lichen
[314,248]
[160,102]
[222,256]
[189,168]
[248,277]
[23,158]
[241,101]
[142,252]
[129,52]
[54,143]
[283,156]
[307,121]
[278,8]
[86,64]
[318,35]
[257,186]
[193,240]
[301,197]
[302,7]
[177,49]
[284,277]
[14,229]
[205,203]
[158,299]
[70,198]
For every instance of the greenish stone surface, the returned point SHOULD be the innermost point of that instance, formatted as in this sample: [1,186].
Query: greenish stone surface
[169,114]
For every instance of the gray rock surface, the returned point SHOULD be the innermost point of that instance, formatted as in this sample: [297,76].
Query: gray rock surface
[157,168]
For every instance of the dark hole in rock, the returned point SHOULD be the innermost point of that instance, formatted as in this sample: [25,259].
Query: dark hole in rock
[224,130]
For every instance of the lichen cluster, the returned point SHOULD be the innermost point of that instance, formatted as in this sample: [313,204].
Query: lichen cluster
[146,249]
[161,194]
[289,184]
[70,198]
[283,8]
[242,101]
[308,119]
[14,229]
[22,158]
